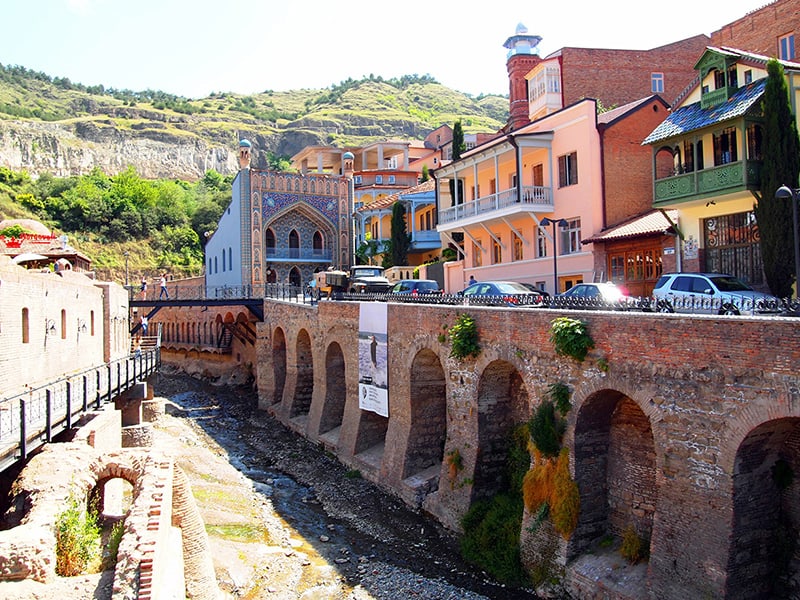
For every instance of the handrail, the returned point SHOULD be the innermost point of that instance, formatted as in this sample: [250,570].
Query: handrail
[35,415]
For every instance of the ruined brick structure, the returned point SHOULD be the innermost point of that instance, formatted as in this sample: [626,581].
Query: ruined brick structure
[676,437]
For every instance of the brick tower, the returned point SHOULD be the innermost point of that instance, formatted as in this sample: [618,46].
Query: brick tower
[522,56]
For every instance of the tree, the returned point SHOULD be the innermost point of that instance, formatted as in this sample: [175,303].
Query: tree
[781,160]
[425,174]
[401,241]
[458,141]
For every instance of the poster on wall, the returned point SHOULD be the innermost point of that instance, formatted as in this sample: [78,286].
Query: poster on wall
[373,368]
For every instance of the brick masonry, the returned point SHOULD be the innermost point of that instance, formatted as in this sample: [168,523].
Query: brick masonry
[673,438]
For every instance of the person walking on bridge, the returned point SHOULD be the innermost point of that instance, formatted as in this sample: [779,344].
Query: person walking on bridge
[163,291]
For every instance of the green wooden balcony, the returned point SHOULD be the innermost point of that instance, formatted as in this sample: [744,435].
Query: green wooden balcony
[707,183]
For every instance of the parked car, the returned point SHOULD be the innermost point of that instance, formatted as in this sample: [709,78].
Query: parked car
[509,293]
[533,288]
[711,293]
[595,295]
[416,286]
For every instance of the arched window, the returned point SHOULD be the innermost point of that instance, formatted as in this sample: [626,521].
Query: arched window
[269,243]
[63,324]
[294,244]
[318,244]
[294,276]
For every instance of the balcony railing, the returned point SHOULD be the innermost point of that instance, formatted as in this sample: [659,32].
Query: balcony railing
[708,182]
[533,198]
[298,254]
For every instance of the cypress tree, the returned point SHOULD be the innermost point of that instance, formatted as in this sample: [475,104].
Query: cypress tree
[401,241]
[781,166]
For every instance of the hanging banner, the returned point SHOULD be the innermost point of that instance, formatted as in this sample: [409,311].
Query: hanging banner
[373,368]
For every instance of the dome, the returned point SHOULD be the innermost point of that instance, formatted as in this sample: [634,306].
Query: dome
[29,224]
[348,156]
[244,144]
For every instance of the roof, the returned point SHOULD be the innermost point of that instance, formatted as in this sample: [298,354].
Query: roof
[693,117]
[648,224]
[387,201]
[615,113]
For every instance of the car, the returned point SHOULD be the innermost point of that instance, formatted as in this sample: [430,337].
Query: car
[416,286]
[711,293]
[533,288]
[594,295]
[508,293]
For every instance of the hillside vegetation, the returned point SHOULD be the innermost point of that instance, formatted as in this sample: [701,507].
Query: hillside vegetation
[162,222]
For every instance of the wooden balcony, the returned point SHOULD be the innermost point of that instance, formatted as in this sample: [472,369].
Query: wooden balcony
[707,183]
[506,203]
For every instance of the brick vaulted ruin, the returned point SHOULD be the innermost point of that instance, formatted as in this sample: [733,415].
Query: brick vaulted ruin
[676,427]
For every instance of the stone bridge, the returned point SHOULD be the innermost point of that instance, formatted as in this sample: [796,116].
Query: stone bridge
[684,427]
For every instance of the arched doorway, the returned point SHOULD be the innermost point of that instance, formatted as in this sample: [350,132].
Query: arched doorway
[304,386]
[278,364]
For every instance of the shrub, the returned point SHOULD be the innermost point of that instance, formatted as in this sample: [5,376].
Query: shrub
[570,337]
[491,537]
[464,338]
[565,503]
[559,394]
[631,548]
[546,430]
[77,539]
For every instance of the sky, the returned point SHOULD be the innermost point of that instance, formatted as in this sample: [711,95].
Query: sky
[193,48]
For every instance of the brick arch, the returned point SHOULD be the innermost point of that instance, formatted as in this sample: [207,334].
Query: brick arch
[765,515]
[503,402]
[278,364]
[615,443]
[335,390]
[428,430]
[304,381]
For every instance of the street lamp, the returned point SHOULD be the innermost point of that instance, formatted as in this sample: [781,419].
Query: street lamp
[561,223]
[786,193]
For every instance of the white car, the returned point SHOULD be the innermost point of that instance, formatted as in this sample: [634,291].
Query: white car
[711,293]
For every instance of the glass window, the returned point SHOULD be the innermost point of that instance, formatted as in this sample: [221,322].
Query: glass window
[497,251]
[568,169]
[477,259]
[541,243]
[725,147]
[570,241]
[538,175]
[517,254]
[786,47]
[657,83]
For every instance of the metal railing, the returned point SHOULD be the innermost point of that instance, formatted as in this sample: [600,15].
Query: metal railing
[36,415]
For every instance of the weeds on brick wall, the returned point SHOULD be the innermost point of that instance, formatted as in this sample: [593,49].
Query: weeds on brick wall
[559,393]
[77,539]
[546,429]
[491,537]
[464,338]
[549,484]
[455,464]
[602,364]
[570,337]
[353,474]
[114,537]
[633,548]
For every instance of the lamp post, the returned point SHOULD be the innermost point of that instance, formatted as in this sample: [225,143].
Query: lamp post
[561,223]
[787,193]
[126,254]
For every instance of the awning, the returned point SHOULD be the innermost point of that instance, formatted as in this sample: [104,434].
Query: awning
[27,257]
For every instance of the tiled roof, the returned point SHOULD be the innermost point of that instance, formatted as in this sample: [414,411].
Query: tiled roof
[693,117]
[614,113]
[387,201]
[652,223]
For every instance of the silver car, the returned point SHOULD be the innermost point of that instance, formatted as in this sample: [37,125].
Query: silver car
[711,293]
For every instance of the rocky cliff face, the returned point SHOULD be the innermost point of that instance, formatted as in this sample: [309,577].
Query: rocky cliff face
[75,149]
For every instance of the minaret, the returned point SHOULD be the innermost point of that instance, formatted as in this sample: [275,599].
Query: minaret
[244,154]
[523,55]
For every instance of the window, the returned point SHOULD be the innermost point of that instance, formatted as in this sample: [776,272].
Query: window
[570,241]
[541,243]
[91,322]
[688,157]
[497,251]
[725,147]
[732,246]
[657,83]
[26,326]
[517,249]
[754,141]
[63,324]
[391,178]
[378,178]
[477,259]
[786,47]
[748,76]
[538,175]
[357,179]
[568,169]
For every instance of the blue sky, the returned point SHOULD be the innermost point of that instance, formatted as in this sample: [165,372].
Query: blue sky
[194,48]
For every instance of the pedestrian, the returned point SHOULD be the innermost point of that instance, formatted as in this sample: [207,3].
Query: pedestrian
[163,291]
[144,287]
[144,325]
[472,280]
[137,348]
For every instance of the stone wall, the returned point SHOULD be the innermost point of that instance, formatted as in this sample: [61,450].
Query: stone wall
[675,422]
